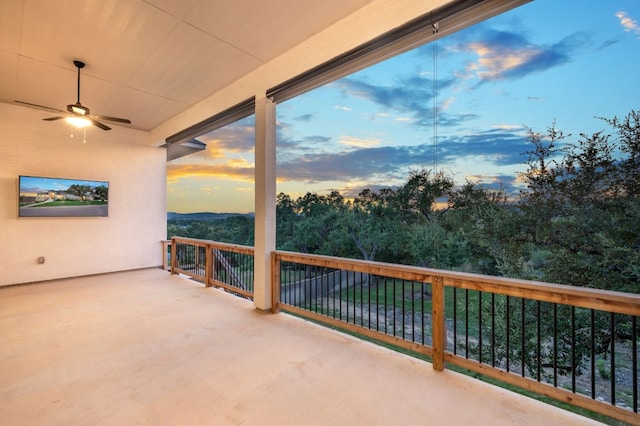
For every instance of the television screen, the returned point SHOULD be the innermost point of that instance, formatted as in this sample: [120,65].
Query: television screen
[56,197]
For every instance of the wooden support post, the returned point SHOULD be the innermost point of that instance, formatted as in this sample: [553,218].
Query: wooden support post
[174,255]
[165,247]
[438,323]
[208,265]
[275,282]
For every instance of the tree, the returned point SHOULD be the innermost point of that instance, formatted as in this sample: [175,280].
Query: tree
[309,221]
[580,208]
[628,138]
[79,190]
[101,193]
[286,217]
[479,228]
[541,201]
[369,222]
[422,191]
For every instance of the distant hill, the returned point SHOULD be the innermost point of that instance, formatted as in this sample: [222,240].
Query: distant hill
[204,216]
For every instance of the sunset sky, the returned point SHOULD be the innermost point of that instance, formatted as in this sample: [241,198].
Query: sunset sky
[566,61]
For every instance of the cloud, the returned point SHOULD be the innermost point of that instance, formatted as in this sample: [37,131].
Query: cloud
[293,146]
[495,55]
[629,24]
[606,44]
[347,165]
[497,146]
[243,189]
[411,97]
[510,184]
[502,55]
[305,118]
[357,142]
[236,137]
[233,170]
[501,146]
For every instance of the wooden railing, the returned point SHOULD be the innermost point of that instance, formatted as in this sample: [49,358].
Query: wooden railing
[575,345]
[572,344]
[227,266]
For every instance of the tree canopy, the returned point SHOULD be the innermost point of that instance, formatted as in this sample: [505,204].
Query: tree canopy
[576,219]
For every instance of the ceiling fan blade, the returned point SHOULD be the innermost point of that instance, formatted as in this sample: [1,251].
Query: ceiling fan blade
[78,110]
[99,124]
[39,106]
[116,119]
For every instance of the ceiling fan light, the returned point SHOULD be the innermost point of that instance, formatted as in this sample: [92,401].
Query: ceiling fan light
[78,122]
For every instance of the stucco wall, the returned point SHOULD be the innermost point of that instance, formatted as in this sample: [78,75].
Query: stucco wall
[128,238]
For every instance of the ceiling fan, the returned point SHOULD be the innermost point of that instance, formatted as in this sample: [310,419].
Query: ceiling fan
[78,114]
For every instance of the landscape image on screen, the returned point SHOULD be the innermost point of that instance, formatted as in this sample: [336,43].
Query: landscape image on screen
[55,197]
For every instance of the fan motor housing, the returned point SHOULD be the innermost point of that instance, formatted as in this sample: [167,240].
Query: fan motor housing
[78,109]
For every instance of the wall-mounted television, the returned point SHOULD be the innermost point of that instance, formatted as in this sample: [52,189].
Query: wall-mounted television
[57,197]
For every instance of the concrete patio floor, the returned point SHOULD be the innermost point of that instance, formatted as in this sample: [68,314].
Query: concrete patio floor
[148,348]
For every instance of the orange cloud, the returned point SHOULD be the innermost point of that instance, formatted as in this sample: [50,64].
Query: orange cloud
[629,24]
[493,62]
[233,170]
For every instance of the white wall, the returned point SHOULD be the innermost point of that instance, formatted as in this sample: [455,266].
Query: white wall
[128,238]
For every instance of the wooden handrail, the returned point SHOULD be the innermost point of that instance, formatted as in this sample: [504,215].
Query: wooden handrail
[604,300]
[601,300]
[596,299]
[209,260]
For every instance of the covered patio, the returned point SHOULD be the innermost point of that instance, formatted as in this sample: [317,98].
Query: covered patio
[147,347]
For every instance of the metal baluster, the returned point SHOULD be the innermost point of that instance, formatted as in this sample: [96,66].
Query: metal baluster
[522,336]
[413,312]
[573,349]
[422,314]
[386,304]
[369,301]
[404,311]
[394,306]
[340,296]
[508,327]
[455,321]
[480,327]
[634,356]
[466,323]
[538,342]
[361,299]
[613,358]
[493,329]
[593,354]
[555,345]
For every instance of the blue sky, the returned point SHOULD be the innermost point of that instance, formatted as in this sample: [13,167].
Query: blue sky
[41,184]
[565,61]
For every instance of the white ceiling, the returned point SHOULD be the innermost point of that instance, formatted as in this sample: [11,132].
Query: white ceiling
[146,60]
